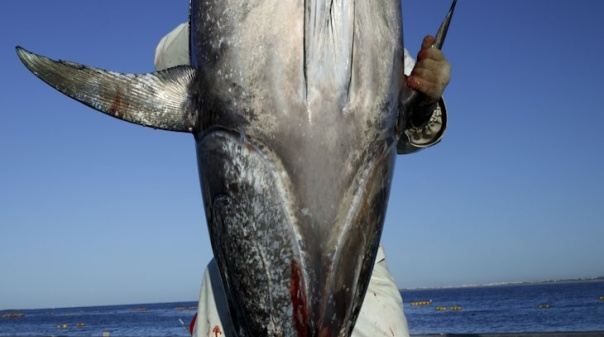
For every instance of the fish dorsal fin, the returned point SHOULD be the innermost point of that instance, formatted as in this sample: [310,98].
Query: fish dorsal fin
[159,100]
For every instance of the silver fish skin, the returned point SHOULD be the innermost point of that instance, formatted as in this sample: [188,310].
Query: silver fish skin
[296,163]
[294,107]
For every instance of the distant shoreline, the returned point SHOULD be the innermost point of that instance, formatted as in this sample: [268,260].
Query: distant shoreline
[503,284]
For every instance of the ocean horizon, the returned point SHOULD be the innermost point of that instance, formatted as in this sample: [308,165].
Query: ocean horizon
[469,285]
[528,307]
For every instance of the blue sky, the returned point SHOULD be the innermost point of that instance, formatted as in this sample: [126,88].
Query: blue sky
[95,211]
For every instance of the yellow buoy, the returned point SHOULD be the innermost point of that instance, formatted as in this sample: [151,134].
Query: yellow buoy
[420,303]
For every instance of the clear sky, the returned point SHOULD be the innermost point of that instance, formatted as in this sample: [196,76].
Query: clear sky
[95,211]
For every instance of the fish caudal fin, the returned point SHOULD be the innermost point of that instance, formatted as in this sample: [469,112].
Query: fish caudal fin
[159,100]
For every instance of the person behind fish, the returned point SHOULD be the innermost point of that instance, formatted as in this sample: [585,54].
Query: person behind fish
[382,309]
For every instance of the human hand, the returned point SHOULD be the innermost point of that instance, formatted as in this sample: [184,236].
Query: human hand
[431,74]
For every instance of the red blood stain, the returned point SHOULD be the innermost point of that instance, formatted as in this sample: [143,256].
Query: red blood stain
[217,331]
[114,109]
[298,295]
[192,325]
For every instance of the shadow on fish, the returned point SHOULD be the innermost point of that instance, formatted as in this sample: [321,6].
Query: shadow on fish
[296,109]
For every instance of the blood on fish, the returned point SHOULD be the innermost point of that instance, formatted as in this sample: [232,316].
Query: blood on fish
[298,295]
[115,105]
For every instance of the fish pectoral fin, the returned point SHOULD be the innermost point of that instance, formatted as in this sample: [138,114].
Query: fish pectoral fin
[159,100]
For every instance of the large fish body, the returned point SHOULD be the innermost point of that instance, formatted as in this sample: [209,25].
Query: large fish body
[299,101]
[293,106]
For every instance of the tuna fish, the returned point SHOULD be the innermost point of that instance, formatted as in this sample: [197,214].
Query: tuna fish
[296,109]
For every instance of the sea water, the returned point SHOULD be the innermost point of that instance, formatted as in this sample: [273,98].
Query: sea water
[542,307]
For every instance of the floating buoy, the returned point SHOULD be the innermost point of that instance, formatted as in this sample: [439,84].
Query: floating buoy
[455,308]
[441,308]
[420,303]
[544,306]
[601,298]
[80,325]
[13,315]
